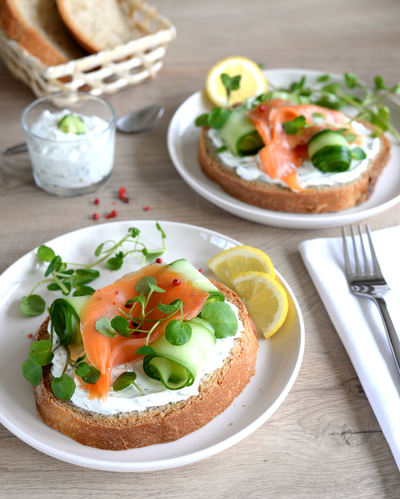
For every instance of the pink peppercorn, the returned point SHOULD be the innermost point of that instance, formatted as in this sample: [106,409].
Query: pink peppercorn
[159,260]
[147,208]
[176,282]
[97,201]
[262,108]
[96,216]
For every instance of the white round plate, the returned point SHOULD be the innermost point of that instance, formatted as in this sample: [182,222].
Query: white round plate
[278,361]
[183,137]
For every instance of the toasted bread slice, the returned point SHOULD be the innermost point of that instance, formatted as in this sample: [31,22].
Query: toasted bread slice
[97,24]
[38,27]
[157,424]
[275,197]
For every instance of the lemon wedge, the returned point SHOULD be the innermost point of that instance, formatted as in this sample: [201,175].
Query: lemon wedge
[252,83]
[240,259]
[265,299]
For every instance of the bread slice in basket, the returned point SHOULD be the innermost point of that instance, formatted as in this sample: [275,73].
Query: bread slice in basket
[97,24]
[319,199]
[38,27]
[156,424]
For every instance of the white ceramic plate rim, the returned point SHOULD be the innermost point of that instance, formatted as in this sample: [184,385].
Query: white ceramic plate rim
[220,198]
[102,464]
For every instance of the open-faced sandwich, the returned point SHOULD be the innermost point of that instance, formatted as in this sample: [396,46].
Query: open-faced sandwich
[146,360]
[281,151]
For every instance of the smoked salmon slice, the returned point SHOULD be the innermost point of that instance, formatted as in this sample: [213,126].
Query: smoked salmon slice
[105,353]
[283,153]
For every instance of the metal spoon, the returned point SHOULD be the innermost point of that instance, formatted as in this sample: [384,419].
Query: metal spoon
[135,122]
[140,120]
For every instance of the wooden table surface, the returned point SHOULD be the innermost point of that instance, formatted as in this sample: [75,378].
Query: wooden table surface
[324,440]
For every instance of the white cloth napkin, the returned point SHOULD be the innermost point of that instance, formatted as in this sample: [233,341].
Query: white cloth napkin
[358,322]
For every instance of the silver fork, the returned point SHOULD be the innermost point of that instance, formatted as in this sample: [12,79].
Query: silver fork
[370,283]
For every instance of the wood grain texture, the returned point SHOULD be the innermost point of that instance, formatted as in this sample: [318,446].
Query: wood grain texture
[324,441]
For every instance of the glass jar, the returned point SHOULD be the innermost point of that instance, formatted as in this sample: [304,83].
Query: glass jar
[69,163]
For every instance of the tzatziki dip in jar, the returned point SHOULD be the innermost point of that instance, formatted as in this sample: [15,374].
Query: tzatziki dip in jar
[70,139]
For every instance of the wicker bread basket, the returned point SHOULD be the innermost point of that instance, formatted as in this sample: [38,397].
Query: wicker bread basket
[105,72]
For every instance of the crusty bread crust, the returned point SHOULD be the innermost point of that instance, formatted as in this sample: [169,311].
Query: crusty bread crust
[275,197]
[18,28]
[159,424]
[85,28]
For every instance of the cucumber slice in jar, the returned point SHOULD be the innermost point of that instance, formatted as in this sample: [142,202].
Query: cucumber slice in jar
[329,151]
[241,135]
[71,123]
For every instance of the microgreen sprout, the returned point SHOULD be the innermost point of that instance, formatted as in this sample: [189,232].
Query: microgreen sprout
[59,277]
[218,117]
[334,95]
[141,319]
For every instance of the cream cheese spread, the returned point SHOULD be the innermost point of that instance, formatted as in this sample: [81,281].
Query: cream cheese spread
[67,160]
[250,168]
[155,393]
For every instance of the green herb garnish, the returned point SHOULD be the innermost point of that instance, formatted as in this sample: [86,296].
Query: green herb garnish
[334,95]
[178,332]
[218,117]
[124,380]
[60,278]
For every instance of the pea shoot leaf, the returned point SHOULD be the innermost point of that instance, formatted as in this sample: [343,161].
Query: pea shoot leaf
[84,276]
[124,380]
[115,263]
[218,117]
[55,264]
[380,83]
[221,149]
[143,285]
[155,288]
[163,236]
[140,298]
[202,120]
[331,88]
[83,291]
[145,350]
[230,83]
[121,325]
[294,126]
[32,372]
[92,377]
[171,308]
[133,231]
[63,387]
[33,305]
[40,352]
[221,317]
[99,249]
[82,370]
[178,333]
[80,359]
[358,153]
[350,80]
[45,253]
[215,296]
[152,255]
[53,287]
[103,326]
[323,79]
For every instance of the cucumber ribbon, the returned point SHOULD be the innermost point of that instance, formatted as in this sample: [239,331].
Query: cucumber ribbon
[241,135]
[178,366]
[64,314]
